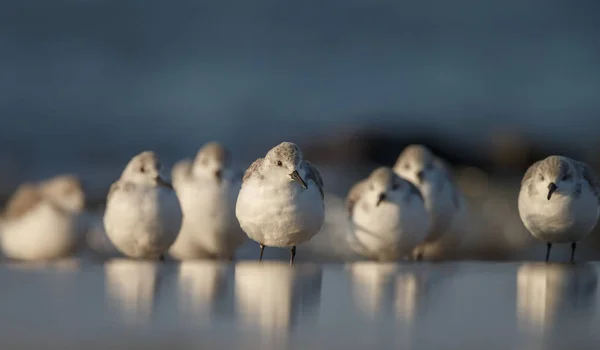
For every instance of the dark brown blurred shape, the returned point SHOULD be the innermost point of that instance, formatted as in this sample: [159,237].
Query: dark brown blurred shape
[382,145]
[509,149]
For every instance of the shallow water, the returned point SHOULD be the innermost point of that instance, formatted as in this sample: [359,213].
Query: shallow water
[134,304]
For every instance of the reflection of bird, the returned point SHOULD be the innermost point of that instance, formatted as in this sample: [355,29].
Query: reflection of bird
[394,298]
[559,201]
[143,215]
[388,216]
[376,286]
[373,286]
[208,189]
[44,221]
[548,293]
[443,200]
[201,284]
[132,285]
[408,289]
[274,296]
[281,200]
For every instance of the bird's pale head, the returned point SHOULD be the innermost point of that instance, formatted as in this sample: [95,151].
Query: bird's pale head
[66,191]
[145,168]
[555,174]
[213,159]
[417,164]
[286,158]
[384,185]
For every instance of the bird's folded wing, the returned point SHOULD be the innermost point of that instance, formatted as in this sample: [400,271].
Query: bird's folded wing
[113,188]
[312,173]
[252,169]
[530,172]
[24,199]
[354,195]
[589,176]
[445,167]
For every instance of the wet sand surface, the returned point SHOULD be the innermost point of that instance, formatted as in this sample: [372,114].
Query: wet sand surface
[83,304]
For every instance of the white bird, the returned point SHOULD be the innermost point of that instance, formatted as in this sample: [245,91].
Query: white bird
[143,215]
[388,218]
[443,200]
[559,201]
[208,190]
[281,200]
[42,220]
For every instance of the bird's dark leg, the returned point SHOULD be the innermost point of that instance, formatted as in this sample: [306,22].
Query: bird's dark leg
[573,246]
[419,255]
[548,246]
[262,248]
[292,255]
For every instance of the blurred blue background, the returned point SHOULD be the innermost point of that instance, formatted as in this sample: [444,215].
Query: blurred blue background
[84,85]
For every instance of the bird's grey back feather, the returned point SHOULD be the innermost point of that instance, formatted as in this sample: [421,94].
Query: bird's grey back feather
[530,172]
[252,169]
[312,173]
[354,194]
[589,176]
[26,196]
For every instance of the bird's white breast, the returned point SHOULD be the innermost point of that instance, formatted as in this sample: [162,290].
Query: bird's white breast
[280,213]
[209,224]
[143,221]
[561,219]
[390,230]
[42,233]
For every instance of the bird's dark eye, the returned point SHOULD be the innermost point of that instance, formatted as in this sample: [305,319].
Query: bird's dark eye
[541,177]
[406,166]
[279,163]
[143,170]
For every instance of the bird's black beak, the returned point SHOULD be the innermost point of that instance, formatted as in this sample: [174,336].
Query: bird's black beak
[296,177]
[162,182]
[219,175]
[551,189]
[421,176]
[380,199]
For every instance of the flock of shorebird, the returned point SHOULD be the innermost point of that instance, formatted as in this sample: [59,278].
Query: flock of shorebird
[210,210]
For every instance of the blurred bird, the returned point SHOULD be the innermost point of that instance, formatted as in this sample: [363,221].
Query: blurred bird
[443,200]
[208,189]
[388,218]
[42,221]
[143,215]
[559,201]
